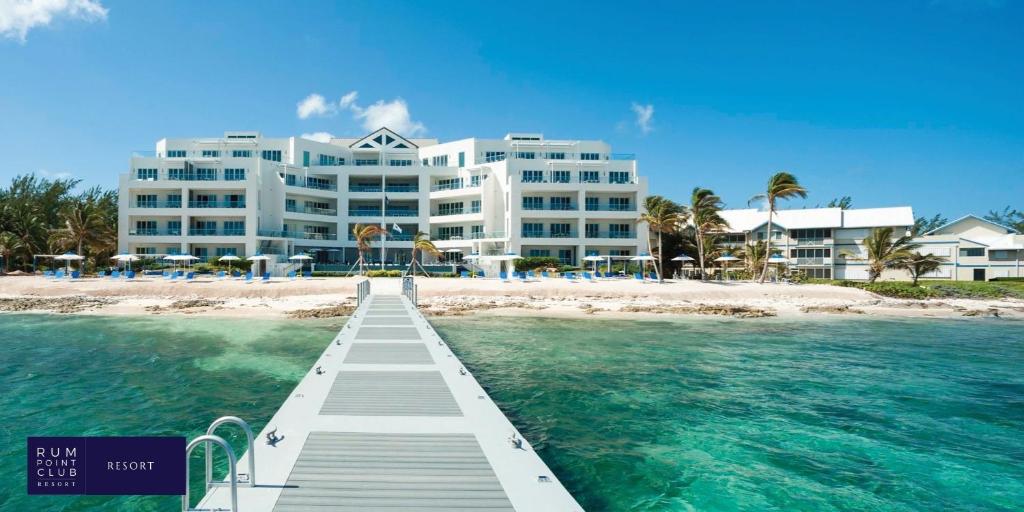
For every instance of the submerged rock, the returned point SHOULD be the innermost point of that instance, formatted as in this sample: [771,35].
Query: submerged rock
[69,304]
[831,309]
[703,309]
[336,310]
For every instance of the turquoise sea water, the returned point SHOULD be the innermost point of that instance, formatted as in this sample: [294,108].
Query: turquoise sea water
[695,414]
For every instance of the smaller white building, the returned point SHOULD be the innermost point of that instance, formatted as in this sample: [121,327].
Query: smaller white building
[976,250]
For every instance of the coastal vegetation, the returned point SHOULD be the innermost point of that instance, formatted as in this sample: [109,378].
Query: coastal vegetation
[44,216]
[781,186]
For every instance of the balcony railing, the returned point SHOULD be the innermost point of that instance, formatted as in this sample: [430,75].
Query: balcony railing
[453,186]
[314,185]
[297,234]
[611,207]
[813,241]
[157,204]
[553,207]
[194,175]
[376,212]
[388,188]
[550,234]
[456,211]
[391,236]
[563,177]
[154,232]
[610,234]
[312,210]
[216,204]
[215,232]
[811,261]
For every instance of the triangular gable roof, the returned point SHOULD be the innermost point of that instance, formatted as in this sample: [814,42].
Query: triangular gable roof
[972,216]
[383,138]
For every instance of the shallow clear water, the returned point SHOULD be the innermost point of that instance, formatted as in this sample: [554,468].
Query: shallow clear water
[702,414]
[851,414]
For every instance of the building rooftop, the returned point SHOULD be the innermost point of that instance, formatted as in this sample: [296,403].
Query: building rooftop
[750,219]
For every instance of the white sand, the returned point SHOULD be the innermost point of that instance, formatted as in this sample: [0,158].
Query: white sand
[552,297]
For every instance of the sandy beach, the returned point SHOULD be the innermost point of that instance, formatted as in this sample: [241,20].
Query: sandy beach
[330,297]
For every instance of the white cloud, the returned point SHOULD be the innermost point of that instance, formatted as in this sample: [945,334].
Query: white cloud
[17,17]
[394,114]
[314,105]
[55,175]
[348,99]
[318,136]
[644,117]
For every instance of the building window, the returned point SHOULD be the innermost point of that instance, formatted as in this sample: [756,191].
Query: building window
[449,233]
[561,203]
[619,204]
[618,177]
[400,163]
[462,158]
[593,204]
[540,253]
[205,174]
[555,156]
[175,153]
[533,203]
[533,229]
[565,256]
[593,230]
[174,200]
[439,161]
[241,153]
[813,234]
[560,176]
[145,201]
[590,177]
[590,156]
[561,230]
[425,162]
[367,161]
[494,156]
[145,227]
[972,251]
[145,174]
[474,181]
[818,273]
[211,153]
[526,155]
[305,158]
[234,174]
[476,231]
[533,176]
[619,231]
[225,251]
[474,206]
[327,159]
[174,227]
[449,208]
[274,155]
[145,251]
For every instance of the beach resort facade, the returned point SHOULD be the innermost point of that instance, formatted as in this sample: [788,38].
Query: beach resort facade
[242,194]
[976,249]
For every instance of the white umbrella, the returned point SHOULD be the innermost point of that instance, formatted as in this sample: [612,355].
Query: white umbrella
[127,259]
[229,258]
[173,258]
[643,258]
[301,258]
[777,259]
[682,257]
[66,258]
[724,259]
[257,257]
[594,258]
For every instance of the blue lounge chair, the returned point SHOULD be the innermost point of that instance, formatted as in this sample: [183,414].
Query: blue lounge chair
[521,276]
[307,274]
[464,274]
[115,274]
[544,275]
[190,276]
[75,274]
[639,276]
[291,275]
[503,276]
[248,277]
[130,275]
[221,274]
[101,274]
[482,274]
[174,276]
[569,276]
[598,275]
[47,274]
[266,277]
[236,274]
[587,276]
[59,275]
[531,274]
[652,276]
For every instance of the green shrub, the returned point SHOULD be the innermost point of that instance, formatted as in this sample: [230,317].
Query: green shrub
[384,273]
[537,262]
[898,289]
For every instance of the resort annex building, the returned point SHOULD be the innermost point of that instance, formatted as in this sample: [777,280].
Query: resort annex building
[242,194]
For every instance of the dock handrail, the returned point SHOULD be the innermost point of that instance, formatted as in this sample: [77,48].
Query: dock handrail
[409,289]
[206,440]
[362,291]
[252,451]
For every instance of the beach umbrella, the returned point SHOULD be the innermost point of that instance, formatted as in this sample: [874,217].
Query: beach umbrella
[682,257]
[126,258]
[174,259]
[594,258]
[642,258]
[188,258]
[257,257]
[777,259]
[67,259]
[302,258]
[453,260]
[725,259]
[229,258]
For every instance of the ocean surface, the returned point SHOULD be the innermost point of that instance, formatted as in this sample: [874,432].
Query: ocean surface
[851,414]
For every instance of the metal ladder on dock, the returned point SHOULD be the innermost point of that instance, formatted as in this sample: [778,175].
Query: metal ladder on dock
[235,478]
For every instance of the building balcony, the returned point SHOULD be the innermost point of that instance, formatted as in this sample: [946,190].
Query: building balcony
[811,261]
[391,236]
[813,241]
[611,234]
[456,211]
[453,186]
[391,212]
[154,232]
[572,207]
[216,204]
[194,175]
[157,204]
[477,235]
[611,207]
[388,188]
[550,234]
[311,210]
[302,235]
[215,232]
[312,185]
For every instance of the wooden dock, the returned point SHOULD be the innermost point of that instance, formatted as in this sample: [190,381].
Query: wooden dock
[392,422]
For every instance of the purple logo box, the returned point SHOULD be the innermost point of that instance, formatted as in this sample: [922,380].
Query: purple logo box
[106,465]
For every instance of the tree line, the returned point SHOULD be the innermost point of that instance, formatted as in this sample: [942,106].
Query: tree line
[46,216]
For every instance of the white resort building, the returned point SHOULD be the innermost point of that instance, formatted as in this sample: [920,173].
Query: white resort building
[825,243]
[976,249]
[242,194]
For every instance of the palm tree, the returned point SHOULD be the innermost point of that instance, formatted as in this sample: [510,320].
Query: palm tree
[919,264]
[662,216]
[884,251]
[705,212]
[782,185]
[363,234]
[753,255]
[86,224]
[9,243]
[421,243]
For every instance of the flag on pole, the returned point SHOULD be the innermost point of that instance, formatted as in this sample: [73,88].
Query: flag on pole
[396,227]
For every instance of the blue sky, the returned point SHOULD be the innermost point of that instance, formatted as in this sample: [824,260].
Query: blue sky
[892,103]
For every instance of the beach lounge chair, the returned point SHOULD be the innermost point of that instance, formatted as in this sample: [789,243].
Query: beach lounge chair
[75,274]
[464,274]
[191,276]
[174,276]
[221,274]
[130,275]
[544,275]
[521,276]
[236,274]
[569,276]
[307,274]
[101,274]
[291,275]
[248,277]
[588,277]
[652,276]
[639,276]
[47,274]
[503,276]
[59,274]
[531,275]
[266,278]
[482,274]
[115,274]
